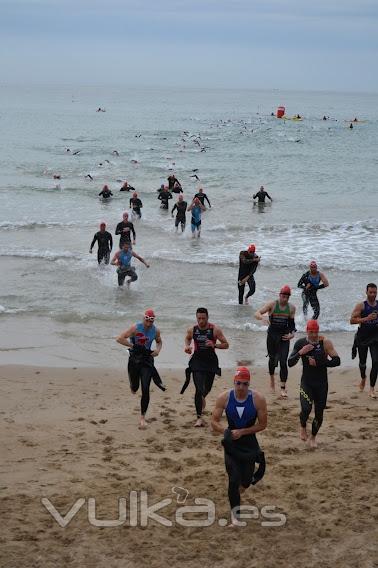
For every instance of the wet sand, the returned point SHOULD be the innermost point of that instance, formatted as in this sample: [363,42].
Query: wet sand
[72,433]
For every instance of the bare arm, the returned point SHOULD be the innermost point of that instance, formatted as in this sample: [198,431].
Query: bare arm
[219,336]
[140,259]
[123,339]
[356,314]
[266,309]
[159,344]
[324,279]
[115,260]
[262,418]
[216,416]
[188,341]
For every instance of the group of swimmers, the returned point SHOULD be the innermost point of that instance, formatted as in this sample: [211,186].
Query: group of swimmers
[245,408]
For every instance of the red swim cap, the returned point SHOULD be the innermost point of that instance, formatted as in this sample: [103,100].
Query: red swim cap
[149,313]
[135,194]
[286,290]
[251,248]
[102,225]
[242,374]
[312,325]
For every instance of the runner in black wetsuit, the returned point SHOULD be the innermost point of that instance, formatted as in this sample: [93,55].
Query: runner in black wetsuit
[136,204]
[317,354]
[310,284]
[202,197]
[164,196]
[127,187]
[248,263]
[366,314]
[181,207]
[204,362]
[281,329]
[241,449]
[105,244]
[125,228]
[105,193]
[262,195]
[172,180]
[141,369]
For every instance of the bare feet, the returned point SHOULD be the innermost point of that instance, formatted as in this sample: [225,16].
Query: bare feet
[199,423]
[246,302]
[283,393]
[142,423]
[313,443]
[235,523]
[372,394]
[362,384]
[303,434]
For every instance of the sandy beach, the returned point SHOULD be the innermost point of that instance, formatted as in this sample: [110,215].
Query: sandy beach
[69,434]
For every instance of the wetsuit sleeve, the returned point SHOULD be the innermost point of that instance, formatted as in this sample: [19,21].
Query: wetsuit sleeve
[93,242]
[268,196]
[294,355]
[333,362]
[254,197]
[207,199]
[118,230]
[302,281]
[110,241]
[291,325]
[133,231]
[101,192]
[321,286]
[174,207]
[130,203]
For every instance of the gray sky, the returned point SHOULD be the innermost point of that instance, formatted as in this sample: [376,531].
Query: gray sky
[286,44]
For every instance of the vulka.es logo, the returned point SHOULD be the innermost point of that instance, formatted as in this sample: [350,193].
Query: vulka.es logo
[136,511]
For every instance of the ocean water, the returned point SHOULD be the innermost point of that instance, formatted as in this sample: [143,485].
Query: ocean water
[58,307]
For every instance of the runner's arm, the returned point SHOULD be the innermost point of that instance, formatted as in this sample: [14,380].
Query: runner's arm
[219,336]
[159,344]
[356,314]
[123,339]
[188,340]
[140,259]
[93,243]
[216,416]
[262,418]
[264,310]
[331,352]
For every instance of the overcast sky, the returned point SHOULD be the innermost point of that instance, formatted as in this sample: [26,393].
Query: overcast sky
[285,44]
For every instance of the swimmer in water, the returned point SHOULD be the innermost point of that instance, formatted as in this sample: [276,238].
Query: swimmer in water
[136,205]
[261,195]
[105,193]
[181,207]
[105,244]
[125,228]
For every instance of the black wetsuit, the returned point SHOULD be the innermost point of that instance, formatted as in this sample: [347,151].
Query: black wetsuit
[181,207]
[202,197]
[164,196]
[105,245]
[105,194]
[127,188]
[136,204]
[247,265]
[203,364]
[241,455]
[367,340]
[309,294]
[171,182]
[125,236]
[261,196]
[314,381]
[281,323]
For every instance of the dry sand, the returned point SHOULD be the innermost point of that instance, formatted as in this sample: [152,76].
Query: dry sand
[72,433]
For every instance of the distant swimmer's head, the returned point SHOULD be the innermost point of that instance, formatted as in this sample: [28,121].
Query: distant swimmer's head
[200,190]
[251,248]
[125,216]
[285,294]
[105,188]
[180,197]
[102,226]
[135,194]
[262,188]
[149,317]
[313,265]
[202,316]
[312,329]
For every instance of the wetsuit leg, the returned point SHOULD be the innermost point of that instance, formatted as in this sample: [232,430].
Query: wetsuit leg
[374,364]
[134,376]
[121,277]
[100,255]
[283,355]
[362,355]
[203,382]
[241,292]
[320,400]
[305,301]
[107,256]
[252,286]
[272,345]
[145,378]
[313,299]
[306,400]
[234,481]
[132,274]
